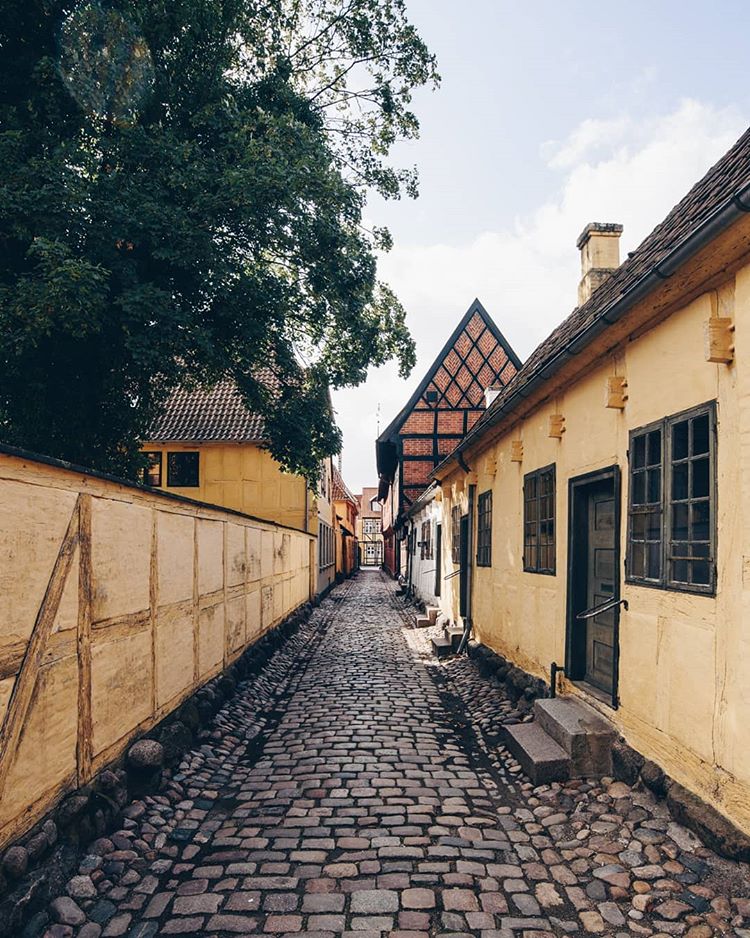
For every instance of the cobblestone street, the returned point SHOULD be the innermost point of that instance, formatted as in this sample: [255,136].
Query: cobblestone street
[350,789]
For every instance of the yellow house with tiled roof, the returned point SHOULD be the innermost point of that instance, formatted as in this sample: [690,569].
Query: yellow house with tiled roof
[599,511]
[208,445]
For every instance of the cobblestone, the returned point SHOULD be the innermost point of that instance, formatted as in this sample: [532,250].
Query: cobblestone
[356,787]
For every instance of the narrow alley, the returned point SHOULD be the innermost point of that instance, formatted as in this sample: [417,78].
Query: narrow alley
[348,790]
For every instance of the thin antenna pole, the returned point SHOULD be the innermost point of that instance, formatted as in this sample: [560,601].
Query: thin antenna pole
[378,419]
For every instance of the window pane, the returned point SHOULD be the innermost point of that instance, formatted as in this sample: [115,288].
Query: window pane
[700,550]
[700,478]
[700,511]
[637,560]
[638,526]
[152,473]
[700,434]
[653,571]
[680,440]
[680,481]
[654,485]
[182,470]
[680,521]
[653,525]
[639,451]
[680,571]
[700,572]
[654,448]
[639,488]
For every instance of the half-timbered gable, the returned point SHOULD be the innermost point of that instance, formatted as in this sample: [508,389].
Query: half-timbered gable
[445,406]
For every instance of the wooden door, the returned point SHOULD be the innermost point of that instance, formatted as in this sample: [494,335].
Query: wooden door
[438,558]
[601,586]
[463,577]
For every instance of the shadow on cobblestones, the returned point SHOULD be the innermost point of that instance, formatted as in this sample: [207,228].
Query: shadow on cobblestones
[354,787]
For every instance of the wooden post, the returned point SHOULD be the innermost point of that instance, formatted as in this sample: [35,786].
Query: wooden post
[85,727]
[23,690]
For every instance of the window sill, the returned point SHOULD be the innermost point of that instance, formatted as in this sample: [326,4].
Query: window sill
[709,592]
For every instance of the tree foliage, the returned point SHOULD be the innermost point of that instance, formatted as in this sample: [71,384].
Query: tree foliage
[182,198]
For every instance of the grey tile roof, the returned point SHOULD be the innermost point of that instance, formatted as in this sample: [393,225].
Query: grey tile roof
[212,415]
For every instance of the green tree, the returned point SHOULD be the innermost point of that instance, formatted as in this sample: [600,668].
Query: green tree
[181,198]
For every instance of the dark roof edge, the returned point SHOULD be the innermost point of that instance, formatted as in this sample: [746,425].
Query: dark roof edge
[474,307]
[724,216]
[6,450]
[191,441]
[424,499]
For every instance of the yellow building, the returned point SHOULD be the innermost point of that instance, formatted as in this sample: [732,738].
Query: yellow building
[209,446]
[345,511]
[604,497]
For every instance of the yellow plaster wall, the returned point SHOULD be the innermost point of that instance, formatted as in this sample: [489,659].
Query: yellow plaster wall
[159,596]
[684,674]
[244,477]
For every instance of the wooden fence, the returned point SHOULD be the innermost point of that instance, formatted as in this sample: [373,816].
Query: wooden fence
[116,603]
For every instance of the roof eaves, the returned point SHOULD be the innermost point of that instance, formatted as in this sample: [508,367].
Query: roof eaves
[728,211]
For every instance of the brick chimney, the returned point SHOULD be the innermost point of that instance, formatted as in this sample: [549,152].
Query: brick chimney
[599,244]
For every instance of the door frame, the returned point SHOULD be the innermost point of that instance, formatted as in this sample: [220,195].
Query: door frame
[438,557]
[576,486]
[463,560]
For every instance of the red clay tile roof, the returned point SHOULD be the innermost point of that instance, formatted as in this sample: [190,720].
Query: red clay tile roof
[340,491]
[718,187]
[212,415]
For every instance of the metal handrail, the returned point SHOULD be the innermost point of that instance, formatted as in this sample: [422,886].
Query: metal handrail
[602,607]
[455,573]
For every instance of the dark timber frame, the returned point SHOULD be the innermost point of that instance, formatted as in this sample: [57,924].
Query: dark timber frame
[575,636]
[458,391]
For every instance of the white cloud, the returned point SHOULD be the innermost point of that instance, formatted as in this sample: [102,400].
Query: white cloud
[615,170]
[588,138]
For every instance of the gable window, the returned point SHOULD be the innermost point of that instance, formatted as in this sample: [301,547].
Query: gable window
[183,470]
[539,521]
[151,474]
[672,506]
[456,534]
[484,529]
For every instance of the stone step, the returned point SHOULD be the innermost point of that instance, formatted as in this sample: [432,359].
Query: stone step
[432,612]
[424,622]
[442,647]
[537,753]
[583,733]
[454,633]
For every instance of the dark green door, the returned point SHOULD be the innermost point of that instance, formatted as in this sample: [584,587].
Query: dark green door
[601,586]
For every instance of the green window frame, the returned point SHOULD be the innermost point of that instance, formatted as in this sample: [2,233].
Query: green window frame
[539,542]
[672,502]
[484,529]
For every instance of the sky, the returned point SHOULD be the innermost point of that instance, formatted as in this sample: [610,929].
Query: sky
[549,115]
